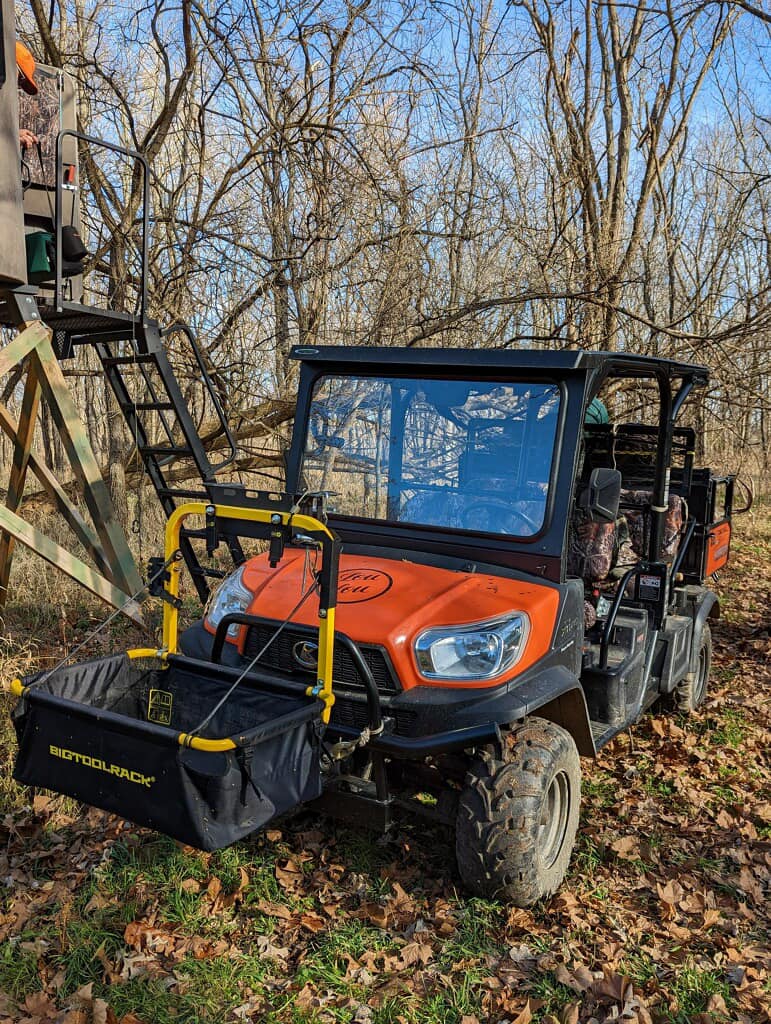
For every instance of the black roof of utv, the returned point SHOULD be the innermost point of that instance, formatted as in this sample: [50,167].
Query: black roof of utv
[579,375]
[548,361]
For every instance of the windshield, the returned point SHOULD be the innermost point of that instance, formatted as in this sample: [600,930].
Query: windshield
[463,455]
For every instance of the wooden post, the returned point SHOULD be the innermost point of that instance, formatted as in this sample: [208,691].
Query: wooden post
[117,577]
[21,448]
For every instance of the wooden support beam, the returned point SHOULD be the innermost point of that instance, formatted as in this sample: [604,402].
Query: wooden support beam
[57,556]
[58,495]
[86,469]
[17,350]
[21,450]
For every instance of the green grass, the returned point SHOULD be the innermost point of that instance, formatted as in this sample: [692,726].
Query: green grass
[78,957]
[478,922]
[587,857]
[691,988]
[18,971]
[599,790]
[362,855]
[732,731]
[552,993]
[641,967]
[450,1005]
[656,786]
[326,962]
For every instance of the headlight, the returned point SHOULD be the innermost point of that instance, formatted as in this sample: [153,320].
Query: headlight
[478,651]
[232,596]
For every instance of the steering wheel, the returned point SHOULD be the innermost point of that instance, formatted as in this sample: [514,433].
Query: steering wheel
[495,508]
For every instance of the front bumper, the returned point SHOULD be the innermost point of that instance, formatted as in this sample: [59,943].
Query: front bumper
[431,718]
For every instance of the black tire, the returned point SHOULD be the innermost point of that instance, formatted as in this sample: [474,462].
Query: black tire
[691,691]
[517,817]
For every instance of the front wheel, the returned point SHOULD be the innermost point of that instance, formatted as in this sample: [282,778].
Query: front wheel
[518,817]
[691,691]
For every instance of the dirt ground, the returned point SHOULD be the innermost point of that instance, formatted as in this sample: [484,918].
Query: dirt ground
[664,916]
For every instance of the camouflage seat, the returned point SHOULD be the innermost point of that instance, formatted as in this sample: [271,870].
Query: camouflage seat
[592,552]
[592,548]
[633,545]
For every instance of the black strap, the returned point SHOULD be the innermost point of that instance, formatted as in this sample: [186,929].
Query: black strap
[246,775]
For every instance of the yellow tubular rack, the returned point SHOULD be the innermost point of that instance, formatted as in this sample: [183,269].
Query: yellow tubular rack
[146,652]
[306,524]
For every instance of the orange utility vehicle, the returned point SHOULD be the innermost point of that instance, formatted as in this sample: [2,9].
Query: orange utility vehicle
[517,584]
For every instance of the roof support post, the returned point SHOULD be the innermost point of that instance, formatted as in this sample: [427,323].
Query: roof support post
[660,499]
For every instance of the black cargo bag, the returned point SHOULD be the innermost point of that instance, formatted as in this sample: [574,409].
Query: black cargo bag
[106,732]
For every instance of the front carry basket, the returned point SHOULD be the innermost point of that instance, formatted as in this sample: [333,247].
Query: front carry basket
[115,734]
[201,752]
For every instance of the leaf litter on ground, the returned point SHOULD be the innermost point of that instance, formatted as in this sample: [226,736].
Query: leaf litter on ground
[663,918]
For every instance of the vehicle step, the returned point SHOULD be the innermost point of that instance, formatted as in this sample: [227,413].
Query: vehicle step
[602,733]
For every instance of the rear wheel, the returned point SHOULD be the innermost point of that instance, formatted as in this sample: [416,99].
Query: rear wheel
[691,691]
[517,817]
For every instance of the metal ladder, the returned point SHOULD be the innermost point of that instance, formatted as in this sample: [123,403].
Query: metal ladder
[134,340]
[105,331]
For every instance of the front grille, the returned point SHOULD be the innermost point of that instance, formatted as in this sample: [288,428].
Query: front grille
[344,673]
[353,715]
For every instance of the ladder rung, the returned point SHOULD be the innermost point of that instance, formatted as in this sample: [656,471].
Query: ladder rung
[150,406]
[175,492]
[157,450]
[215,574]
[193,534]
[140,357]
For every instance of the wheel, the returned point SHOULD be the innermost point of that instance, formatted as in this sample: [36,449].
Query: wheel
[691,691]
[517,818]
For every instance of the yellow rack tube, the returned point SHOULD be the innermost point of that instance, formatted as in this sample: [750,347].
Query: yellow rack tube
[171,615]
[304,523]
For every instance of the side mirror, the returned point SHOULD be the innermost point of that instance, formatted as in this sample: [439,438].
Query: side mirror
[601,497]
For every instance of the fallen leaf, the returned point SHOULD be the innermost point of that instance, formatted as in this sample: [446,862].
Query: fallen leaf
[627,848]
[40,1006]
[313,922]
[271,909]
[524,1016]
[372,912]
[415,953]
[102,1014]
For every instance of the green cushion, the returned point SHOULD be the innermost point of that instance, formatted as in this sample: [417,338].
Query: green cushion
[39,267]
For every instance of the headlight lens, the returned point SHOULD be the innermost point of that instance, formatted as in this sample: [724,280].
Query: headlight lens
[232,596]
[478,651]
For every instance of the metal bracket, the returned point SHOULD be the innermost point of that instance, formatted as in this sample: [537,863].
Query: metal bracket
[158,576]
[212,531]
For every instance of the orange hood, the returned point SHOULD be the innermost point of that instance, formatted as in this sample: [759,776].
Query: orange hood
[387,602]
